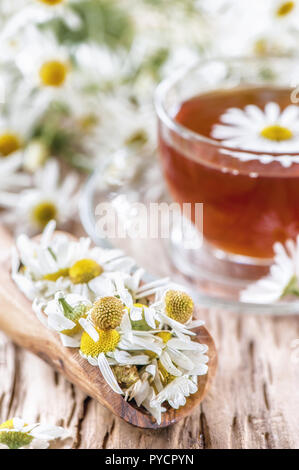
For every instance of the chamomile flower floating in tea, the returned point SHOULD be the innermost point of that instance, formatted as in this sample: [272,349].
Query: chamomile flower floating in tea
[16,434]
[282,280]
[49,199]
[268,130]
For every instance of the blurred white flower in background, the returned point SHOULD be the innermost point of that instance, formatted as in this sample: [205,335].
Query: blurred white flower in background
[10,177]
[48,64]
[50,198]
[16,123]
[282,280]
[255,27]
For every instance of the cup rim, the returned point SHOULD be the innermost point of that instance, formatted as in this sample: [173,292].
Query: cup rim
[165,85]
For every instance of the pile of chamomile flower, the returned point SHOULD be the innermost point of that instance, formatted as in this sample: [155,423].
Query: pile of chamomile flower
[138,334]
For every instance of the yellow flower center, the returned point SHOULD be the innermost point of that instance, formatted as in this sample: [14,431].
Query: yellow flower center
[88,121]
[64,272]
[277,133]
[107,313]
[108,340]
[84,271]
[137,138]
[179,306]
[9,143]
[53,73]
[7,424]
[51,2]
[285,8]
[165,336]
[43,213]
[261,47]
[13,439]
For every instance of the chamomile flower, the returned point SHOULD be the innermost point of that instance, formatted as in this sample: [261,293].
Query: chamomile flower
[268,130]
[50,199]
[16,434]
[176,392]
[170,377]
[120,113]
[15,126]
[121,346]
[143,391]
[181,355]
[57,263]
[282,279]
[269,25]
[174,310]
[47,67]
[62,314]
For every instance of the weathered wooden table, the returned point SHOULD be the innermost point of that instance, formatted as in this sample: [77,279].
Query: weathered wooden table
[253,402]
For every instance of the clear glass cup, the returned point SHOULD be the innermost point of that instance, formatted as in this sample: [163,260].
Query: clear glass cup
[250,197]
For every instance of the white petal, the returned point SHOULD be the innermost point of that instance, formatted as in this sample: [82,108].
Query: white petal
[48,432]
[48,234]
[71,341]
[90,329]
[60,323]
[123,357]
[108,374]
[168,365]
[149,317]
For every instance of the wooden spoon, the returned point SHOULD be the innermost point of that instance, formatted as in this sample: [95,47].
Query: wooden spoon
[18,321]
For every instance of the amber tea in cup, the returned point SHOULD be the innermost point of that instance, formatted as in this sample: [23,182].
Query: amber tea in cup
[229,138]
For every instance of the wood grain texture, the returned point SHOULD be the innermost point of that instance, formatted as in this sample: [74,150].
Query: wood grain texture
[252,403]
[18,321]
